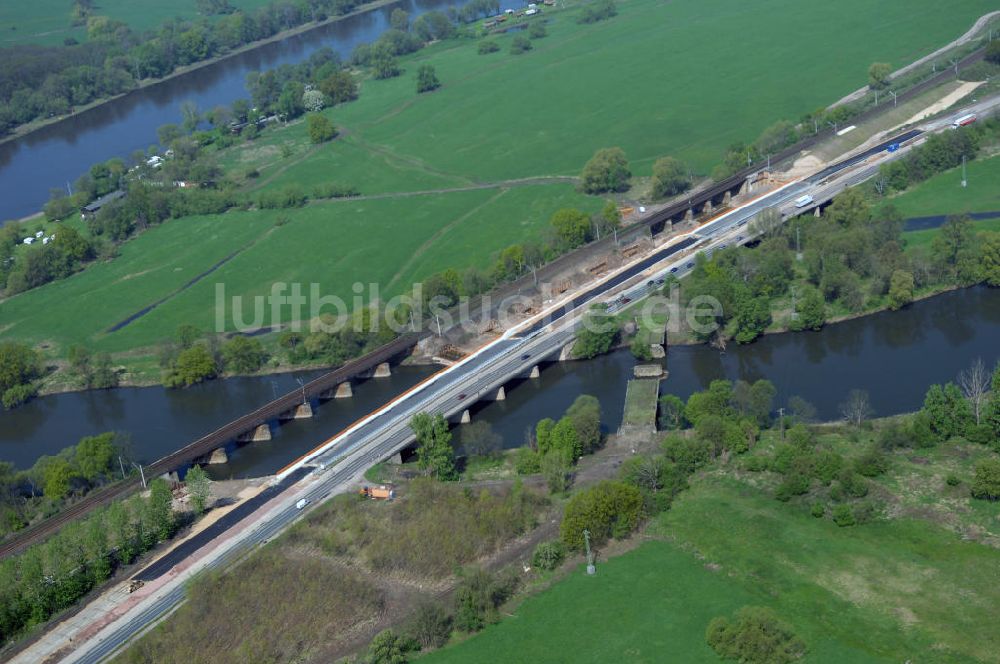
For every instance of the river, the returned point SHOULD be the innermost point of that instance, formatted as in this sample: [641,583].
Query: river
[894,356]
[57,154]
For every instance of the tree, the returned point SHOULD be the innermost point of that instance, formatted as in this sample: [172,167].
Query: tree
[900,289]
[556,465]
[199,487]
[756,636]
[986,481]
[609,509]
[190,114]
[58,478]
[947,410]
[160,508]
[993,52]
[857,408]
[487,46]
[95,456]
[584,415]
[989,247]
[480,440]
[671,412]
[975,385]
[878,75]
[953,247]
[339,87]
[670,177]
[186,335]
[537,30]
[427,79]
[192,366]
[520,44]
[387,648]
[383,62]
[606,171]
[243,355]
[572,227]
[811,311]
[596,336]
[399,19]
[430,625]
[434,451]
[477,599]
[19,366]
[313,101]
[320,128]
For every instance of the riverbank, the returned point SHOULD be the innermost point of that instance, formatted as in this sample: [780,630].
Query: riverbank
[31,127]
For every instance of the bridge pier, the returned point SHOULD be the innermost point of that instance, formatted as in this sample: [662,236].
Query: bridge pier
[260,433]
[382,371]
[301,412]
[501,394]
[727,199]
[818,212]
[466,417]
[689,215]
[709,208]
[344,391]
[218,456]
[567,352]
[171,477]
[535,373]
[746,187]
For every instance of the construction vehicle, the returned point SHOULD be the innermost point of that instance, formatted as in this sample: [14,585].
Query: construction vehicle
[381,492]
[133,585]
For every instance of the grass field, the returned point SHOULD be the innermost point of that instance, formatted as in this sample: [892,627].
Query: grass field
[640,404]
[323,243]
[943,193]
[883,592]
[49,21]
[663,80]
[915,239]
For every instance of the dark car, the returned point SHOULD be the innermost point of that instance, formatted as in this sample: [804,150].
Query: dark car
[689,265]
[526,356]
[462,396]
[660,280]
[673,269]
[650,282]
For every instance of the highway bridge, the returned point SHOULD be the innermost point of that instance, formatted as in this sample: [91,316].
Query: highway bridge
[341,460]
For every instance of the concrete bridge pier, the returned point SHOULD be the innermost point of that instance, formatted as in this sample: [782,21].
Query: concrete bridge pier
[535,373]
[218,456]
[746,187]
[301,412]
[709,208]
[727,199]
[344,391]
[260,433]
[171,477]
[689,215]
[818,212]
[382,371]
[566,353]
[466,417]
[501,394]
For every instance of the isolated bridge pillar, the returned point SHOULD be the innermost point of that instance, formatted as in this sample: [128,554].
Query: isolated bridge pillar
[501,394]
[535,373]
[171,477]
[566,353]
[818,212]
[344,391]
[383,370]
[727,199]
[466,417]
[261,432]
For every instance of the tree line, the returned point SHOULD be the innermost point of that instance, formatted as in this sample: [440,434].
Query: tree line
[48,81]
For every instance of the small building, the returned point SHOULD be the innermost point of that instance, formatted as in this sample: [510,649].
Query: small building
[155,161]
[39,234]
[46,240]
[28,240]
[531,12]
[92,208]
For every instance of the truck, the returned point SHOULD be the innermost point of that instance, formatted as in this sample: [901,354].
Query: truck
[381,492]
[302,503]
[803,201]
[963,121]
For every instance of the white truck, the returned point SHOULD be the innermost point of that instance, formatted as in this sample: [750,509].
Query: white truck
[803,201]
[302,503]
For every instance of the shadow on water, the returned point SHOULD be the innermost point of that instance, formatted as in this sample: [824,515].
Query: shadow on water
[894,356]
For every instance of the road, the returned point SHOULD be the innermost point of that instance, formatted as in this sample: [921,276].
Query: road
[340,462]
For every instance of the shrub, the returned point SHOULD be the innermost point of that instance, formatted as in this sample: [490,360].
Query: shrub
[537,31]
[756,636]
[519,45]
[487,46]
[843,515]
[608,510]
[548,555]
[527,461]
[952,480]
[320,128]
[986,482]
[872,463]
[793,485]
[606,171]
[818,510]
[430,625]
[478,598]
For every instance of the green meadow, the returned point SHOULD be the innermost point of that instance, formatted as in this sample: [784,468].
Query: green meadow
[944,194]
[887,591]
[685,78]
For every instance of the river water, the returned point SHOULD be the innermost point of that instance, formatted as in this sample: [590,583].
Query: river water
[894,356]
[59,153]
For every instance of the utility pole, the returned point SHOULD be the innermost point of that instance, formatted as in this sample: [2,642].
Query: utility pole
[121,465]
[876,96]
[142,474]
[798,245]
[965,181]
[590,556]
[748,157]
[955,63]
[893,98]
[303,386]
[781,418]
[438,319]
